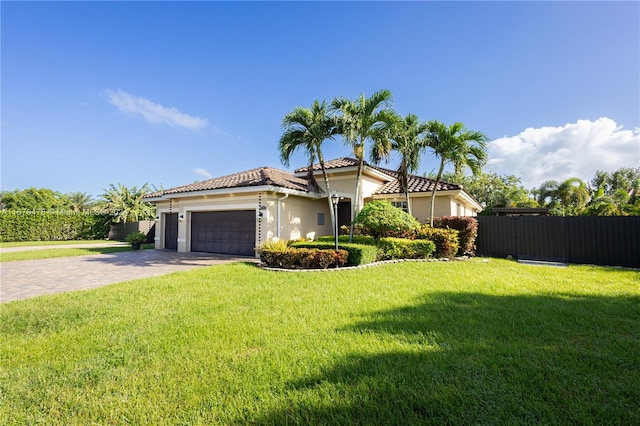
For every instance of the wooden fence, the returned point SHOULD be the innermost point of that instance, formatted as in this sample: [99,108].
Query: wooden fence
[595,240]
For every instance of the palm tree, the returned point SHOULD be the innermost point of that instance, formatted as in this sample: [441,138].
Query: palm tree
[307,129]
[128,205]
[573,196]
[408,139]
[361,121]
[457,146]
[79,201]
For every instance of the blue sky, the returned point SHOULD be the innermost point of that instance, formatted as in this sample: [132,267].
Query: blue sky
[169,93]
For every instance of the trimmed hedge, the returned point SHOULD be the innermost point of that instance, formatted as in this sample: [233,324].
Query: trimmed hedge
[402,248]
[344,239]
[446,240]
[467,228]
[20,225]
[304,258]
[359,254]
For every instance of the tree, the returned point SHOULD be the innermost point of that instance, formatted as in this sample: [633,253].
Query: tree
[307,129]
[128,205]
[567,198]
[573,196]
[79,201]
[457,146]
[408,139]
[365,120]
[492,190]
[34,199]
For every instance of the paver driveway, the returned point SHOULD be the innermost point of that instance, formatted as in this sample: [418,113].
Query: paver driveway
[31,278]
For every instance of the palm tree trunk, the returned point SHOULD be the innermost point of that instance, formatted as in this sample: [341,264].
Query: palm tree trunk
[433,193]
[356,202]
[326,185]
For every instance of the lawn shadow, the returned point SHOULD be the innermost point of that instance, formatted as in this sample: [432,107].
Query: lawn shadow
[470,358]
[152,258]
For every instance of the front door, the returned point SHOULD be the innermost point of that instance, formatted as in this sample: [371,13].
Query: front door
[171,231]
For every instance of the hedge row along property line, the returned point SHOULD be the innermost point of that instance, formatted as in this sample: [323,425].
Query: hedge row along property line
[34,225]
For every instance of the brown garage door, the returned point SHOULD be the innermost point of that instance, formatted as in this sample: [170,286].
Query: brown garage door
[229,232]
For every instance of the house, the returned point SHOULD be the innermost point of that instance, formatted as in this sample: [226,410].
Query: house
[235,213]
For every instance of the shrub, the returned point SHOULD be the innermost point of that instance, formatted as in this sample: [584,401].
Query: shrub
[381,219]
[467,228]
[274,245]
[402,248]
[33,225]
[358,254]
[342,239]
[295,258]
[136,238]
[446,240]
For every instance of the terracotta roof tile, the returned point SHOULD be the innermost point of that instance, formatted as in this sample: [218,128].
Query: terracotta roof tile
[331,164]
[416,183]
[275,177]
[255,177]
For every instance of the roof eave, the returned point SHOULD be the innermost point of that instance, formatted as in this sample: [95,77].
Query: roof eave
[237,190]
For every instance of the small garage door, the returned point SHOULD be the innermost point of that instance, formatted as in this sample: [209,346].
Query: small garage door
[229,232]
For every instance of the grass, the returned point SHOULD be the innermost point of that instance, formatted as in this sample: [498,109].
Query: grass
[62,252]
[53,243]
[409,343]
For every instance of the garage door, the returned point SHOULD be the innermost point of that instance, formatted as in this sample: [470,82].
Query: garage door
[229,232]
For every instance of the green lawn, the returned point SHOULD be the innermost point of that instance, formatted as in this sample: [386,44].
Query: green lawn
[408,343]
[62,252]
[53,243]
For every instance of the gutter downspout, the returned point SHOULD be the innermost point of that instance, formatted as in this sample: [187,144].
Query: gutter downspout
[279,204]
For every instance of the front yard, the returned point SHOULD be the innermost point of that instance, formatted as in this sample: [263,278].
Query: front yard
[411,343]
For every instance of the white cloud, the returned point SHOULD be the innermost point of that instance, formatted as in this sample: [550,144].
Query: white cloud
[202,172]
[573,150]
[152,112]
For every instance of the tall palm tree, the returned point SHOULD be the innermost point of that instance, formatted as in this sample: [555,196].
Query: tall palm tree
[79,201]
[128,205]
[307,129]
[365,120]
[573,196]
[408,139]
[457,146]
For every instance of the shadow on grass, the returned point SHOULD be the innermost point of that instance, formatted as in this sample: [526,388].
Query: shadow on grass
[468,358]
[152,257]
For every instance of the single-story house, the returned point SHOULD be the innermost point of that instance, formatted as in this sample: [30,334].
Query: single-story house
[233,214]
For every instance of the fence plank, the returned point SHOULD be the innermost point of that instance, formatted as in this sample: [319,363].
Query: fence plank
[597,240]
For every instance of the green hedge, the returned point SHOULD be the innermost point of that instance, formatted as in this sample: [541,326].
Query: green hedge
[467,228]
[342,239]
[36,225]
[446,240]
[359,254]
[402,248]
[304,258]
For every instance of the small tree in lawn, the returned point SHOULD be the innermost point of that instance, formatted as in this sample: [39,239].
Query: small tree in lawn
[381,219]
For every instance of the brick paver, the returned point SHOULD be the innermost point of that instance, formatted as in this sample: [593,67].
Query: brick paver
[31,278]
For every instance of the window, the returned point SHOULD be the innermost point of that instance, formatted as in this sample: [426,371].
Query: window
[402,205]
[321,219]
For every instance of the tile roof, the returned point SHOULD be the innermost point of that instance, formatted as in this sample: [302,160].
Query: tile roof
[275,177]
[331,164]
[416,183]
[255,177]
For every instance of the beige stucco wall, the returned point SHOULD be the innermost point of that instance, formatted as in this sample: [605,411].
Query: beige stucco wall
[185,206]
[299,218]
[277,215]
